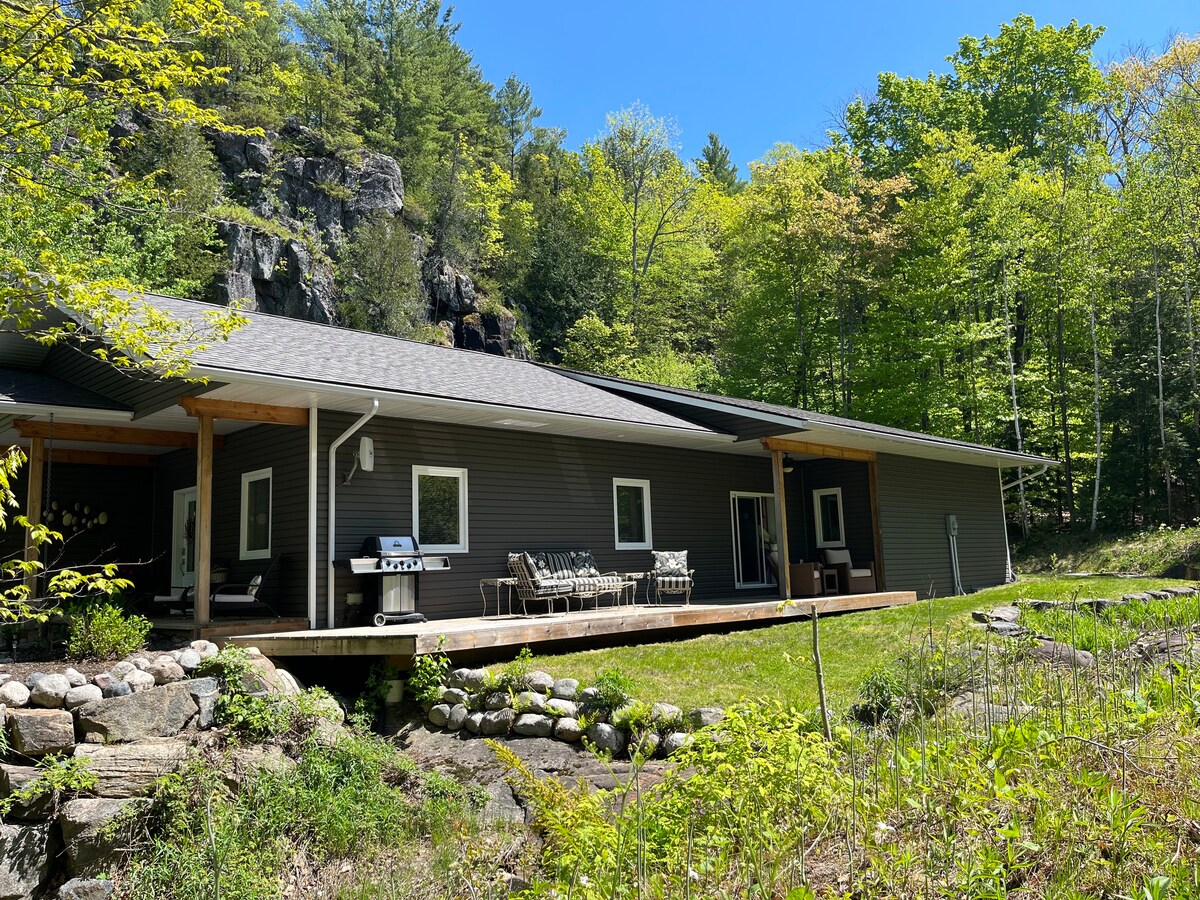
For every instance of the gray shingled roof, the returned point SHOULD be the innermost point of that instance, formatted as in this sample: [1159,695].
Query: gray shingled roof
[27,387]
[293,348]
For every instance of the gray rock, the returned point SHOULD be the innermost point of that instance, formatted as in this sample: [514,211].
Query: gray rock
[564,689]
[165,671]
[84,693]
[676,740]
[130,770]
[502,806]
[290,682]
[498,721]
[96,831]
[439,714]
[704,716]
[567,729]
[123,668]
[1138,597]
[38,732]
[997,614]
[117,689]
[588,695]
[474,722]
[33,678]
[457,717]
[476,679]
[645,744]
[1057,653]
[25,854]
[86,889]
[140,663]
[157,712]
[537,681]
[606,738]
[49,692]
[138,680]
[533,725]
[975,708]
[497,700]
[530,702]
[206,649]
[1098,604]
[75,677]
[665,712]
[248,762]
[1007,629]
[457,679]
[205,691]
[17,779]
[189,660]
[453,696]
[1041,605]
[103,679]
[562,707]
[14,694]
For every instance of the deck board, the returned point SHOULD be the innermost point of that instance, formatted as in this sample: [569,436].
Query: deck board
[457,635]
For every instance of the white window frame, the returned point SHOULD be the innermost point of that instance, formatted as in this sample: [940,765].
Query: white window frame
[247,478]
[648,543]
[734,496]
[443,472]
[817,495]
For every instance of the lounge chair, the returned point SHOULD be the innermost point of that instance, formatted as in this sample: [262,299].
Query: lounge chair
[852,579]
[226,598]
[669,574]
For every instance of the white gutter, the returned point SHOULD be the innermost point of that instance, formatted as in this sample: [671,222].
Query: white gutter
[1025,478]
[312,517]
[65,414]
[341,439]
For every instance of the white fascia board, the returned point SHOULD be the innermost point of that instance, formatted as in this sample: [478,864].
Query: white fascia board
[233,376]
[1001,459]
[66,413]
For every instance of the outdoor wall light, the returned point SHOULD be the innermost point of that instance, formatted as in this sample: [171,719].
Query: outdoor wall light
[789,464]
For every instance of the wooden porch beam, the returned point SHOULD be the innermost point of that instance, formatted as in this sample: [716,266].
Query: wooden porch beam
[98,457]
[33,505]
[245,412]
[808,448]
[784,565]
[204,484]
[108,434]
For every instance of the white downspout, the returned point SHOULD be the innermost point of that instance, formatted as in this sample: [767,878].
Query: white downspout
[312,516]
[1024,478]
[341,439]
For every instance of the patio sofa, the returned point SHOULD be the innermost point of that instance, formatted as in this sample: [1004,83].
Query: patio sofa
[550,575]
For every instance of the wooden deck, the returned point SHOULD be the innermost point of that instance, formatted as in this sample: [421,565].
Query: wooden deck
[474,634]
[222,629]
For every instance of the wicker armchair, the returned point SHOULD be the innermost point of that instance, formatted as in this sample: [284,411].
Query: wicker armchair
[805,579]
[852,579]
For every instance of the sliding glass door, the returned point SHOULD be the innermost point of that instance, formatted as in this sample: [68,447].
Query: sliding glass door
[753,539]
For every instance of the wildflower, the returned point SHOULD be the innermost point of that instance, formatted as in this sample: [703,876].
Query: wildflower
[882,830]
[693,874]
[584,881]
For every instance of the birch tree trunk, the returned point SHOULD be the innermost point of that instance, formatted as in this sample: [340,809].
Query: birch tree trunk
[1096,410]
[1162,416]
[1012,382]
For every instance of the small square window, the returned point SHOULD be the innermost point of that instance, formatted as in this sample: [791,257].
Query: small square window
[256,515]
[440,509]
[631,514]
[827,511]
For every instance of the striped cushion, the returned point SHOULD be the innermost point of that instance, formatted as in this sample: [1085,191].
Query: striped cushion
[522,568]
[598,583]
[553,588]
[673,582]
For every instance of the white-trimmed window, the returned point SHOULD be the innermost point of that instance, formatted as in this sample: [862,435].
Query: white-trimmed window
[440,509]
[256,515]
[631,514]
[827,510]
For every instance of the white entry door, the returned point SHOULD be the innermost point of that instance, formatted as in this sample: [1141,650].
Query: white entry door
[754,539]
[183,539]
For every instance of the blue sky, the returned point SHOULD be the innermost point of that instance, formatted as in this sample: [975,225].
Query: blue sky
[756,72]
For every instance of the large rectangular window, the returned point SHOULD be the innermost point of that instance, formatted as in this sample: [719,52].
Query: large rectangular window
[631,514]
[440,509]
[256,515]
[827,509]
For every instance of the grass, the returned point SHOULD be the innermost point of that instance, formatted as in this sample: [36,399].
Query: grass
[775,663]
[1150,552]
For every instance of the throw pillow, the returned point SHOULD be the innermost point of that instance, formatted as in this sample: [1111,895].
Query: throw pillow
[670,563]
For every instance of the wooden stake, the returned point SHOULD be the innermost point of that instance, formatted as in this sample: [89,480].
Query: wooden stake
[204,451]
[820,675]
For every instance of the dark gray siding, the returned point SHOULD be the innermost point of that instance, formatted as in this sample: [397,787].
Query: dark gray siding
[285,451]
[818,474]
[915,496]
[532,491]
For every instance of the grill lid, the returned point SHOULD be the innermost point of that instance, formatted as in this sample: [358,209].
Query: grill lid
[390,545]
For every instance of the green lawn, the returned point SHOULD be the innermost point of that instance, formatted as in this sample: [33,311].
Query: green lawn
[775,662]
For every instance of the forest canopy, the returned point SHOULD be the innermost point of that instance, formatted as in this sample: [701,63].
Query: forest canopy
[1004,252]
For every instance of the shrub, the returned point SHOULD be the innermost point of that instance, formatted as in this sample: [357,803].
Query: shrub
[880,698]
[427,676]
[103,631]
[614,688]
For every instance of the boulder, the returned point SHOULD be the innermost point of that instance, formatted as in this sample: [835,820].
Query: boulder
[158,712]
[606,738]
[75,677]
[263,678]
[37,807]
[138,681]
[1007,629]
[564,689]
[559,707]
[291,684]
[140,663]
[117,689]
[497,700]
[976,708]
[247,762]
[705,716]
[530,702]
[662,713]
[676,740]
[205,691]
[131,770]
[33,678]
[645,744]
[439,714]
[567,729]
[533,725]
[588,695]
[206,649]
[103,680]
[86,889]
[1060,654]
[454,696]
[25,854]
[189,660]
[537,681]
[457,679]
[123,668]
[96,831]
[498,721]
[38,732]
[457,717]
[48,692]
[84,693]
[997,614]
[474,722]
[14,695]
[165,670]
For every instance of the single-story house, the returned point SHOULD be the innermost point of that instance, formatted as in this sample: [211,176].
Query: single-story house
[476,455]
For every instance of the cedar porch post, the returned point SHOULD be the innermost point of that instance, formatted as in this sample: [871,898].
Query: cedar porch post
[204,451]
[33,505]
[876,531]
[784,566]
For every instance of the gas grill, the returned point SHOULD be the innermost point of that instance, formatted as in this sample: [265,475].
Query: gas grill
[396,560]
